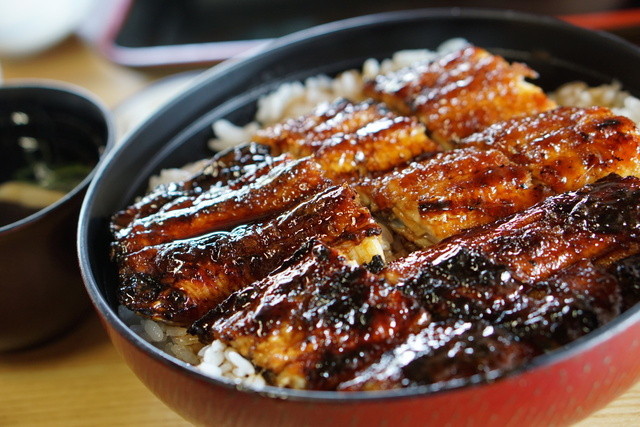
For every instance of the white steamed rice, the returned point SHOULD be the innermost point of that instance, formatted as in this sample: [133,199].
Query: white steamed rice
[298,98]
[291,100]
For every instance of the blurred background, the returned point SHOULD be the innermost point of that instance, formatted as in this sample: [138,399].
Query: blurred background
[143,33]
[136,54]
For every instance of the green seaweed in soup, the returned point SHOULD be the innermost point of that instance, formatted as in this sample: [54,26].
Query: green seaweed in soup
[44,156]
[44,170]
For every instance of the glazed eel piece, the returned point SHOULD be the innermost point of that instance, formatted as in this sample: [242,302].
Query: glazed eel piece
[230,168]
[567,147]
[270,188]
[350,140]
[600,222]
[179,281]
[460,93]
[432,199]
[507,167]
[547,315]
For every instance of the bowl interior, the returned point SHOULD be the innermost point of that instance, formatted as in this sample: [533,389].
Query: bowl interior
[50,136]
[179,133]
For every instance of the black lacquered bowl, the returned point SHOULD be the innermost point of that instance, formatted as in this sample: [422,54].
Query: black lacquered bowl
[41,294]
[557,388]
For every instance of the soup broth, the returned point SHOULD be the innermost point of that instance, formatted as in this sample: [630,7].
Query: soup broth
[45,154]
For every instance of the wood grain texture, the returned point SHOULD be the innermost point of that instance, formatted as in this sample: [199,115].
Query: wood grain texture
[75,62]
[78,379]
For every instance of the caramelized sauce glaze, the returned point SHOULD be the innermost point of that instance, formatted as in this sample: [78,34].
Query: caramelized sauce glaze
[349,140]
[523,238]
[461,93]
[181,280]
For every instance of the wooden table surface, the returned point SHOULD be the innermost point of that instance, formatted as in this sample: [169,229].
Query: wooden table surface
[79,379]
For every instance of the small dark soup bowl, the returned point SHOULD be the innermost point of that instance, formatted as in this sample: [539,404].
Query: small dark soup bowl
[557,388]
[51,138]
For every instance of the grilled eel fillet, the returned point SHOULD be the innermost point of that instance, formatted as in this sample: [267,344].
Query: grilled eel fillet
[314,321]
[350,140]
[228,169]
[460,93]
[600,222]
[463,307]
[567,147]
[449,192]
[520,162]
[179,281]
[443,351]
[267,189]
